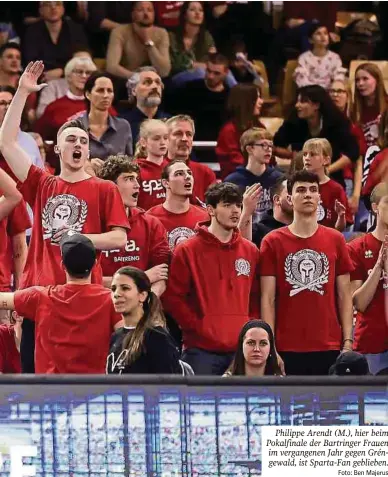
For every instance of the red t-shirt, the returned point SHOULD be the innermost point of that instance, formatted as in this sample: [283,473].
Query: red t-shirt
[74,324]
[330,192]
[179,226]
[146,245]
[9,354]
[369,123]
[91,206]
[151,190]
[374,176]
[167,13]
[18,221]
[371,332]
[305,271]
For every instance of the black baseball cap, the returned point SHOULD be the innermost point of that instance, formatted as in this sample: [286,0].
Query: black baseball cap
[78,254]
[350,363]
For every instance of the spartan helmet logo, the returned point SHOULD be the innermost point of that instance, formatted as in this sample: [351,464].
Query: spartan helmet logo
[62,213]
[306,268]
[63,210]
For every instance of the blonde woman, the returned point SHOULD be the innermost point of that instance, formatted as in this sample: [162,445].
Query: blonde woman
[341,95]
[150,153]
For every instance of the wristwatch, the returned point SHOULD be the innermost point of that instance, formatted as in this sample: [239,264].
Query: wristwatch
[149,43]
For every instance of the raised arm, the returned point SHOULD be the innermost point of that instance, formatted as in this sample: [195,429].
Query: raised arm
[11,196]
[17,159]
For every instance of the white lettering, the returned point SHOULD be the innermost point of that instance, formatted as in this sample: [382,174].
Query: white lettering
[18,469]
[152,185]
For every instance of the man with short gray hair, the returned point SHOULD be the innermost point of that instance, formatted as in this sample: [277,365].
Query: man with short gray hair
[145,89]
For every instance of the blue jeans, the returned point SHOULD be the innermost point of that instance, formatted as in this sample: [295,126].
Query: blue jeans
[377,361]
[207,363]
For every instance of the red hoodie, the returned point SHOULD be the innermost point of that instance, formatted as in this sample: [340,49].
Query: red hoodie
[146,245]
[151,191]
[213,289]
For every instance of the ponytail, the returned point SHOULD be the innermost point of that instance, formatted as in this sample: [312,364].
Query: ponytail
[140,150]
[153,316]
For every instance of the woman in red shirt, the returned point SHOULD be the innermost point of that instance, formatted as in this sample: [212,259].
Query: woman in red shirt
[370,100]
[243,109]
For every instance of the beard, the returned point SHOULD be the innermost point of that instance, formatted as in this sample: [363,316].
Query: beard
[152,101]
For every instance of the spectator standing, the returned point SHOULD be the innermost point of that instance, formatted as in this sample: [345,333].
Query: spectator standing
[370,100]
[243,109]
[306,266]
[211,304]
[146,246]
[181,130]
[204,99]
[369,283]
[74,321]
[72,104]
[341,95]
[280,215]
[316,116]
[143,345]
[59,87]
[178,216]
[139,43]
[52,39]
[333,209]
[190,43]
[73,200]
[319,65]
[145,87]
[257,145]
[108,135]
[28,144]
[150,155]
[256,352]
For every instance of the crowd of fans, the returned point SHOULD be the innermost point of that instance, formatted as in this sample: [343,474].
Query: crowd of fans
[141,259]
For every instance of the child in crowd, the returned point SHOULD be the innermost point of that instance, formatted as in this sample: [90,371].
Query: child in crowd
[333,210]
[150,153]
[319,65]
[257,145]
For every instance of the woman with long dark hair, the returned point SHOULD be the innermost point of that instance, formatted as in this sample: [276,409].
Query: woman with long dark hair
[243,111]
[143,345]
[256,352]
[190,43]
[316,116]
[108,135]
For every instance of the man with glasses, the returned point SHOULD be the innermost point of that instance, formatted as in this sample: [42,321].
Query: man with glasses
[256,144]
[52,39]
[72,104]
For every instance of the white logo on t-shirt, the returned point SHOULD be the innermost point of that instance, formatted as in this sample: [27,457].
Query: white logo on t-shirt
[243,267]
[178,235]
[307,270]
[63,210]
[320,213]
[153,185]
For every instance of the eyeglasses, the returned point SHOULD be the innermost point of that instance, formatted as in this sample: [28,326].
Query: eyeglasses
[82,72]
[5,104]
[337,91]
[264,145]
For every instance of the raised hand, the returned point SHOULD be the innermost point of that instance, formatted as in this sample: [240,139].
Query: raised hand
[382,260]
[339,208]
[251,198]
[29,79]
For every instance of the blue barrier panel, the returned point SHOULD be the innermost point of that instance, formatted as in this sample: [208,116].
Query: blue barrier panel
[168,426]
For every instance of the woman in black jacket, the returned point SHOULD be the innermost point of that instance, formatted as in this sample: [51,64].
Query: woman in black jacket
[143,345]
[316,116]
